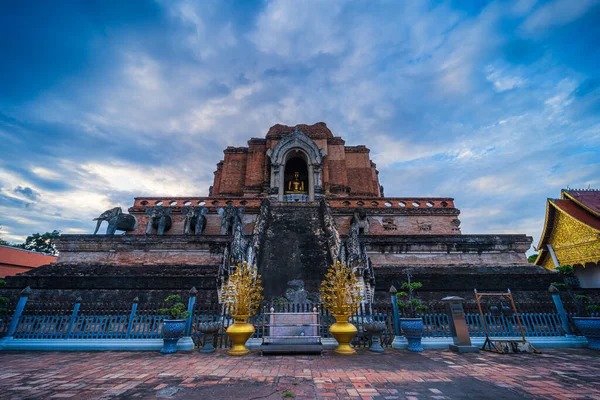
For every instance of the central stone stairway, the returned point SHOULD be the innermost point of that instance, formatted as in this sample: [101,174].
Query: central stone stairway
[294,249]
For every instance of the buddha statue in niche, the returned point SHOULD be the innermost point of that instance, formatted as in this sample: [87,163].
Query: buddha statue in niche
[296,185]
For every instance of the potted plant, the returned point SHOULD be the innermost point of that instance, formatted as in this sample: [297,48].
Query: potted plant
[174,325]
[411,309]
[340,296]
[588,325]
[242,296]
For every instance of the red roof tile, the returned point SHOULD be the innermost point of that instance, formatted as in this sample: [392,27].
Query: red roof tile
[574,210]
[24,258]
[589,199]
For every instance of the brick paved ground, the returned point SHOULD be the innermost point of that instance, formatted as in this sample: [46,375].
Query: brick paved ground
[557,374]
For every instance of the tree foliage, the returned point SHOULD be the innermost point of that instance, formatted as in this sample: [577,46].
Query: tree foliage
[409,305]
[531,259]
[175,308]
[43,243]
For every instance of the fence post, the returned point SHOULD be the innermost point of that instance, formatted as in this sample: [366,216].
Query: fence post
[73,317]
[131,317]
[18,311]
[186,343]
[393,292]
[191,302]
[561,309]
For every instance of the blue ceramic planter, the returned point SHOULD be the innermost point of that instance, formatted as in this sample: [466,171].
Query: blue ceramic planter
[413,330]
[172,330]
[590,328]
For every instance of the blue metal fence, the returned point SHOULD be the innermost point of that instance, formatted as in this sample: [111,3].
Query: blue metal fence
[143,321]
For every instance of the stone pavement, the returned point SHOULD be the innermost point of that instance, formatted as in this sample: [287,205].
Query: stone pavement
[396,374]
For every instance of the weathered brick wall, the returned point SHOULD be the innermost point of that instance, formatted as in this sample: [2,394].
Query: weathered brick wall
[337,182]
[245,170]
[255,167]
[504,259]
[375,175]
[138,250]
[447,250]
[217,180]
[358,171]
[404,224]
[528,283]
[233,175]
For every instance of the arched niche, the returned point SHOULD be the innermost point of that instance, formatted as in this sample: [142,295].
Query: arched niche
[296,145]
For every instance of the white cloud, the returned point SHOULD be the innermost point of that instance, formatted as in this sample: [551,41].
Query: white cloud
[159,181]
[426,86]
[556,13]
[502,81]
[45,173]
[299,29]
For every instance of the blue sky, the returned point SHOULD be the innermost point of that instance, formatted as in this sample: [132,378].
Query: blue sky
[496,104]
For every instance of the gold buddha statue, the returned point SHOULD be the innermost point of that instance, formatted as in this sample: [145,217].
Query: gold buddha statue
[295,185]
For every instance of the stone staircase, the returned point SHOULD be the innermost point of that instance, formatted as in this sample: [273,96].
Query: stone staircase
[294,248]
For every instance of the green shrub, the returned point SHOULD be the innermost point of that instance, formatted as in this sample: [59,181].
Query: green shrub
[175,308]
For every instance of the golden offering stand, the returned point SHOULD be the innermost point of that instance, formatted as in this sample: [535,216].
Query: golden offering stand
[501,345]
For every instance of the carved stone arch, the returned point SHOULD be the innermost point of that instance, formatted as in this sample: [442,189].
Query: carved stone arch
[293,143]
[297,139]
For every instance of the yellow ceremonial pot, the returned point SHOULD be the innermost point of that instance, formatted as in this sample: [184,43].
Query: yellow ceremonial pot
[343,331]
[239,333]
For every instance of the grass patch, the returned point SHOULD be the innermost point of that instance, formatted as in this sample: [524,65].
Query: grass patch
[288,395]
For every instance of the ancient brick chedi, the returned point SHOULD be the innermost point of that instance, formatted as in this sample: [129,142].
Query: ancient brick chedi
[291,203]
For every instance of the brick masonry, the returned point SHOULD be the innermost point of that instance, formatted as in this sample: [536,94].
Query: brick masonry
[347,170]
[395,374]
[398,232]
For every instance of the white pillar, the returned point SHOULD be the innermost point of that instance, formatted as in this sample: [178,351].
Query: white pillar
[553,254]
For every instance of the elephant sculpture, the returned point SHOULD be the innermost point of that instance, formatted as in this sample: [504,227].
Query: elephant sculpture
[116,221]
[229,214]
[159,218]
[194,217]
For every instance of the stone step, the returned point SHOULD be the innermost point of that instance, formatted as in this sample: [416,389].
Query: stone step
[267,349]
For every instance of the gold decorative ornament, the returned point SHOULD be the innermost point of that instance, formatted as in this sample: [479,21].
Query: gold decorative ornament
[242,296]
[573,241]
[340,296]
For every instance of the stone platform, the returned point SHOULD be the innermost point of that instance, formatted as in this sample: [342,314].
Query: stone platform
[395,374]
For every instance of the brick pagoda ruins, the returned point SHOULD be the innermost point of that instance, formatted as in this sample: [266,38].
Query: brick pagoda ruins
[291,203]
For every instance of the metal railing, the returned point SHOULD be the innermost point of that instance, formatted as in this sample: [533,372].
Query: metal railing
[143,321]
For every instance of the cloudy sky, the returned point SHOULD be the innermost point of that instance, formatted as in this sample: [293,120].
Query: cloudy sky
[496,104]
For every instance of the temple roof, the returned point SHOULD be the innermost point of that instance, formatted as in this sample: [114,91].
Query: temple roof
[582,208]
[316,131]
[579,213]
[589,199]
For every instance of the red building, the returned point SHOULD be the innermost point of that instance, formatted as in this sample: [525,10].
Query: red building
[13,261]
